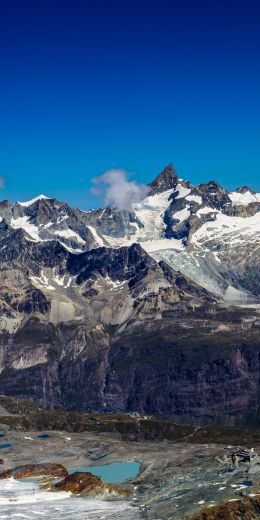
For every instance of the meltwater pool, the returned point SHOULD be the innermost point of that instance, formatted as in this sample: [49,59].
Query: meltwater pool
[113,473]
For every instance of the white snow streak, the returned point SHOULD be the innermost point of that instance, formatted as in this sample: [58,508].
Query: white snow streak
[24,223]
[32,201]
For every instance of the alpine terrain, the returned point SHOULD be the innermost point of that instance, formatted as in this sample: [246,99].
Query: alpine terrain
[152,309]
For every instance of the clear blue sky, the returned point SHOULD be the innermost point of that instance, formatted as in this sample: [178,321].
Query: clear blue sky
[92,85]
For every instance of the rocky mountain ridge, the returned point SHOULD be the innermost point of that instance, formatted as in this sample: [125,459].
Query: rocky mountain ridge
[152,308]
[202,231]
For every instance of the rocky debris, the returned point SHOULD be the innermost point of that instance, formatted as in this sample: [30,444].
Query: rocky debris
[1,461]
[35,470]
[18,296]
[14,405]
[86,484]
[184,285]
[235,509]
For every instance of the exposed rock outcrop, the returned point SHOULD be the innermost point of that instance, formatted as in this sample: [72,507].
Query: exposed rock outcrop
[85,483]
[35,470]
[244,509]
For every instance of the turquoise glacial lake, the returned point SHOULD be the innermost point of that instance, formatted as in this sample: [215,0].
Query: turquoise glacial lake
[113,473]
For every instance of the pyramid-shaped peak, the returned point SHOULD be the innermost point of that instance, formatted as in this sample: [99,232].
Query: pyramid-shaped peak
[166,180]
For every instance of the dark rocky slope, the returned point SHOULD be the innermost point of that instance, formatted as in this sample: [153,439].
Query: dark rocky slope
[189,369]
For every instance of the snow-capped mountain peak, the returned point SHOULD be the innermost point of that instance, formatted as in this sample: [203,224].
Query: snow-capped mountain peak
[32,201]
[204,231]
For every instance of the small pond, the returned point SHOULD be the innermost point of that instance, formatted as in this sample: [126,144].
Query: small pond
[113,473]
[3,446]
[43,436]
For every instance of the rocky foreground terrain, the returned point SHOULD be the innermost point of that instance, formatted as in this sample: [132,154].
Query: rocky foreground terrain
[181,474]
[154,308]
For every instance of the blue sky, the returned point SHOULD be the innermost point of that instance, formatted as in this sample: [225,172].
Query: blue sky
[91,85]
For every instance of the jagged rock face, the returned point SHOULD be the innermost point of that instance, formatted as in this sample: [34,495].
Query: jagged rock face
[79,481]
[19,298]
[87,484]
[200,369]
[113,222]
[131,310]
[120,264]
[213,195]
[166,180]
[106,285]
[48,219]
[185,378]
[14,247]
[35,470]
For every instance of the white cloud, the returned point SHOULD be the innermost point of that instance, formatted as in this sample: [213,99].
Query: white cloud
[118,190]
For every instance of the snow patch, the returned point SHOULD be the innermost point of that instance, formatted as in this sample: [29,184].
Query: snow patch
[162,244]
[62,218]
[243,199]
[71,249]
[97,238]
[26,500]
[42,281]
[32,201]
[69,233]
[62,281]
[115,284]
[205,211]
[225,225]
[24,223]
[183,192]
[195,198]
[150,212]
[183,214]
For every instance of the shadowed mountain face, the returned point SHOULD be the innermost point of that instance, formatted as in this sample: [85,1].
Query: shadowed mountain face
[152,309]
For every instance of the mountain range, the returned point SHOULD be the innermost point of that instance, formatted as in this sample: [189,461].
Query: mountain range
[154,308]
